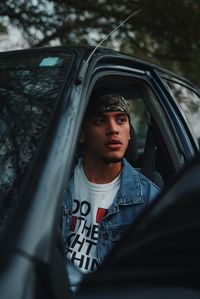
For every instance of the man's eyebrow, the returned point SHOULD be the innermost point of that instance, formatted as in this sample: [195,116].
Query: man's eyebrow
[104,114]
[99,114]
[121,113]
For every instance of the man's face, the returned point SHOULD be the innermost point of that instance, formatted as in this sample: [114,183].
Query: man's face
[106,136]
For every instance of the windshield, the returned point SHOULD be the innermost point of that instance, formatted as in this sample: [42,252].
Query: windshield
[30,85]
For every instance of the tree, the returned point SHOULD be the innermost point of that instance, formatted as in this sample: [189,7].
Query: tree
[165,32]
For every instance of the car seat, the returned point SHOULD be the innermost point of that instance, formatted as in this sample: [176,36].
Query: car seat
[148,160]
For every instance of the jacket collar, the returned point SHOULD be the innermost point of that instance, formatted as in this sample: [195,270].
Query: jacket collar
[130,191]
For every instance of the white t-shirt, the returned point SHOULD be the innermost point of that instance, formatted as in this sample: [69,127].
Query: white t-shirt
[91,203]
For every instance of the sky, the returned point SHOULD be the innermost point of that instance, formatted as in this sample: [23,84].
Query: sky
[13,40]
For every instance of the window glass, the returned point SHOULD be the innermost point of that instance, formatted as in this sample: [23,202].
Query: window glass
[138,119]
[189,103]
[29,89]
[139,124]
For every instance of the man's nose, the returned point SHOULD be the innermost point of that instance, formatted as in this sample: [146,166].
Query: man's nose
[112,127]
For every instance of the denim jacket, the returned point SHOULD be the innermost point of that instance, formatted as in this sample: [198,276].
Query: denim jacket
[135,192]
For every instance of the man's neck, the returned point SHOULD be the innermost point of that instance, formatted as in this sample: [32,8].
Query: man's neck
[101,172]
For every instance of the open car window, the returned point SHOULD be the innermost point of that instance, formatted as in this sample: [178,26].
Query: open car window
[30,86]
[145,118]
[152,128]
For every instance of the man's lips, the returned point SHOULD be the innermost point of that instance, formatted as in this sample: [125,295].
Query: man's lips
[114,144]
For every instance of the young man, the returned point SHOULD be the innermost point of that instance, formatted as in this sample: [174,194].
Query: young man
[105,193]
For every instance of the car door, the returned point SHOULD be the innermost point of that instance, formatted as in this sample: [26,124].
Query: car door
[36,150]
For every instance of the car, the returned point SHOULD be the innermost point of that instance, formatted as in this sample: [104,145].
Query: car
[44,94]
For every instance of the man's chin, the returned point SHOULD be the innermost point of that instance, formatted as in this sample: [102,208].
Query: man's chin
[109,160]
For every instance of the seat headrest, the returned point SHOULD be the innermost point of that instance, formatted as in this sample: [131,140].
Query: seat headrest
[132,149]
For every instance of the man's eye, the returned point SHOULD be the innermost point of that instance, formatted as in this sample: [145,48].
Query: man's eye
[98,121]
[122,119]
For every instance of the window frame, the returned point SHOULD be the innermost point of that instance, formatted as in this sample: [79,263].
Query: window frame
[184,115]
[169,139]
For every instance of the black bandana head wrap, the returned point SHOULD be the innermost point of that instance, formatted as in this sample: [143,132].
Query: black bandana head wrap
[106,103]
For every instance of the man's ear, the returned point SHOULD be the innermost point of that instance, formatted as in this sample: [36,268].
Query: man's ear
[129,138]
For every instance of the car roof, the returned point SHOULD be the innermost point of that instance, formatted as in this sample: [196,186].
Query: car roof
[85,51]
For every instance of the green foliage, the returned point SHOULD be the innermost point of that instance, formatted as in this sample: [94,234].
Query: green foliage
[165,32]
